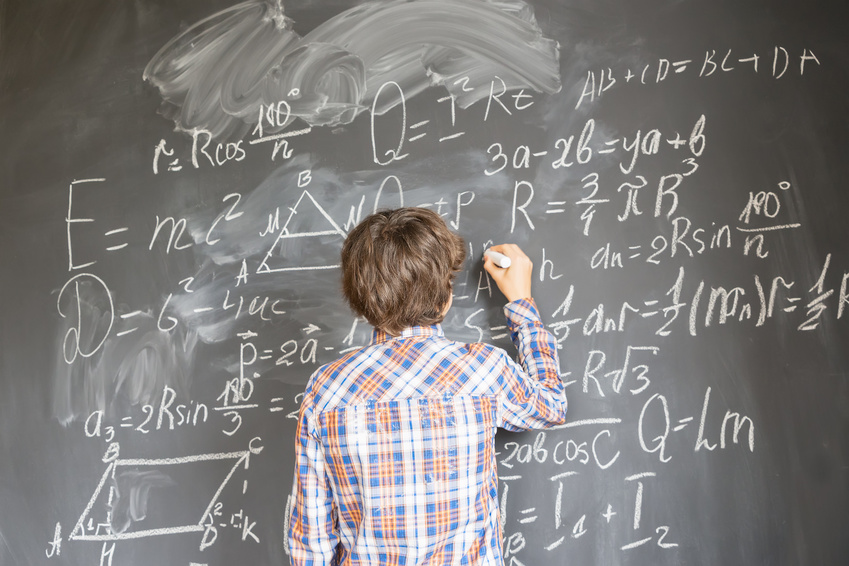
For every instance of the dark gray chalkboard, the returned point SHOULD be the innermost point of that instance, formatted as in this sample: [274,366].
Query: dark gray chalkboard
[177,179]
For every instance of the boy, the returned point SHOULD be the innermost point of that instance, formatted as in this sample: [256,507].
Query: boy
[395,448]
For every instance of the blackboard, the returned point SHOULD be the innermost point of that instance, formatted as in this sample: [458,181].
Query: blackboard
[177,179]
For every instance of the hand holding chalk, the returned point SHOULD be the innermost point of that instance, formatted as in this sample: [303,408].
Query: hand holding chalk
[513,277]
[500,260]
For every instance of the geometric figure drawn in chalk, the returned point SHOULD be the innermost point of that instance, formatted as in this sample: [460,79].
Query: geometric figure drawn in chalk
[103,531]
[331,228]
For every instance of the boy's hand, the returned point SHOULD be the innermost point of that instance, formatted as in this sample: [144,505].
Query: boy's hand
[515,281]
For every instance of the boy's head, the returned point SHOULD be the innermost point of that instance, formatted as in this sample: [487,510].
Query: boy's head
[397,268]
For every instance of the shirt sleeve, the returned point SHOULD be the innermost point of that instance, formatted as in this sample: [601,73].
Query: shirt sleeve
[533,393]
[313,538]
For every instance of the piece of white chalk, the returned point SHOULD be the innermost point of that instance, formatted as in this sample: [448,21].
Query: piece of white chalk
[498,259]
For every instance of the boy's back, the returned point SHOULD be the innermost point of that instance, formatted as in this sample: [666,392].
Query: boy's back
[395,449]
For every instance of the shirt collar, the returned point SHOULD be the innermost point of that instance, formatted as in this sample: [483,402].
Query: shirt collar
[379,336]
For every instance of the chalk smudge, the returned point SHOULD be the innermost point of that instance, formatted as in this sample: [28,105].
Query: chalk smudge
[110,363]
[132,491]
[216,74]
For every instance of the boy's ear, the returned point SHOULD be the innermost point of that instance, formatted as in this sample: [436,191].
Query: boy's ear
[448,304]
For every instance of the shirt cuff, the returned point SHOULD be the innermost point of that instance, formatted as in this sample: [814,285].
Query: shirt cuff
[522,312]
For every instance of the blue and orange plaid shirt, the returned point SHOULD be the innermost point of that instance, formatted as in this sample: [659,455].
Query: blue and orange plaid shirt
[395,448]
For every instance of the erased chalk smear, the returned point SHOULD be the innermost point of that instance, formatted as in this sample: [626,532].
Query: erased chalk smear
[216,74]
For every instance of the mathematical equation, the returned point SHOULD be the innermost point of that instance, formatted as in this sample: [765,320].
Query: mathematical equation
[602,180]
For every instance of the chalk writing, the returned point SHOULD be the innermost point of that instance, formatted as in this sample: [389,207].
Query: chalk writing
[622,222]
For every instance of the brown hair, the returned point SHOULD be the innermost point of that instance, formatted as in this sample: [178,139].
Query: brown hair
[398,266]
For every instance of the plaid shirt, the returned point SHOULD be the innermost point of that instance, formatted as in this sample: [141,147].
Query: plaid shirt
[395,449]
